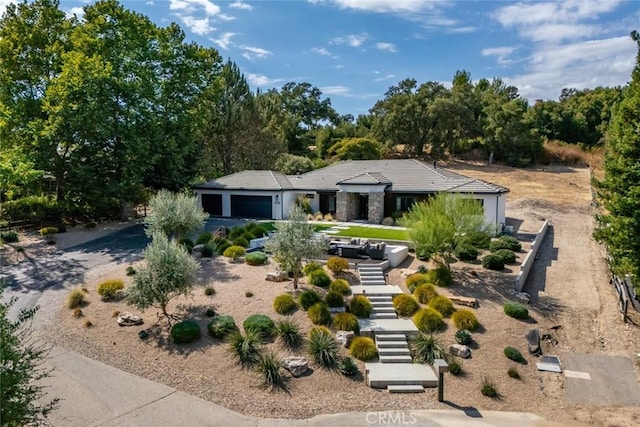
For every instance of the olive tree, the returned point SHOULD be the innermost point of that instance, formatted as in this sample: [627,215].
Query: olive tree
[443,222]
[294,243]
[174,213]
[168,272]
[21,359]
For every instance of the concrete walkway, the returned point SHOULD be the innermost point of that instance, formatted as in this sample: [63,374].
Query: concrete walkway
[95,394]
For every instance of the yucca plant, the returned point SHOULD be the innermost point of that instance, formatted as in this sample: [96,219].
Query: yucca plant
[272,371]
[245,348]
[289,333]
[425,348]
[323,347]
[348,367]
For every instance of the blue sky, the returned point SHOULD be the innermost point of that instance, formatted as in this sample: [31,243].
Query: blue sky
[353,50]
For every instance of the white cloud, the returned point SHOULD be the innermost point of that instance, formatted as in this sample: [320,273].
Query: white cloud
[386,77]
[190,6]
[224,41]
[4,4]
[252,52]
[200,26]
[74,11]
[240,5]
[225,17]
[261,80]
[550,33]
[322,52]
[389,47]
[335,90]
[384,6]
[353,40]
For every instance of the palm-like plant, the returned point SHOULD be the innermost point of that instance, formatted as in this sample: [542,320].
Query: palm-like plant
[425,348]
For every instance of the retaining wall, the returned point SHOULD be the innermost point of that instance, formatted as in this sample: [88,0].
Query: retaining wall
[528,261]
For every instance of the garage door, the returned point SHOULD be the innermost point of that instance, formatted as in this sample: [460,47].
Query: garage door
[212,204]
[251,206]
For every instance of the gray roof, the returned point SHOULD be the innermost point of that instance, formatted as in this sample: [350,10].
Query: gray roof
[257,180]
[403,176]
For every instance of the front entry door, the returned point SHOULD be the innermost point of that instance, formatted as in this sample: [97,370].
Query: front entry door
[363,207]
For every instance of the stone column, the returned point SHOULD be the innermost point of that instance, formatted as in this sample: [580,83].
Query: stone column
[353,206]
[376,208]
[342,202]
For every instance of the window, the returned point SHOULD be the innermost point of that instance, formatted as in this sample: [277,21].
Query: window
[404,203]
[331,202]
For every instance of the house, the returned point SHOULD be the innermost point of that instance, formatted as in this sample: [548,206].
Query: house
[366,190]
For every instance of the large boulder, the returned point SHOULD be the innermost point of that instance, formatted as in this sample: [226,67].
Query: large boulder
[460,350]
[345,337]
[273,276]
[296,365]
[128,319]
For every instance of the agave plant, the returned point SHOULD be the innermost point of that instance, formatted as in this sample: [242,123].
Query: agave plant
[425,348]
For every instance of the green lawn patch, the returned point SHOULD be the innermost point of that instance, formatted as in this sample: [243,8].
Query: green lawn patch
[374,233]
[271,226]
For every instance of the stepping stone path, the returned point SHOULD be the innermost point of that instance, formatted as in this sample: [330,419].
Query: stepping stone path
[395,369]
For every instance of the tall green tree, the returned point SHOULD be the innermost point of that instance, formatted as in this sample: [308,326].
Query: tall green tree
[619,191]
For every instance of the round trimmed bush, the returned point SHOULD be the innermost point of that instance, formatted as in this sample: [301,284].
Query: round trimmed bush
[284,304]
[241,241]
[319,314]
[337,264]
[516,310]
[208,249]
[334,299]
[478,239]
[428,320]
[221,326]
[440,276]
[248,236]
[75,299]
[256,258]
[425,292]
[442,305]
[466,253]
[9,236]
[416,280]
[319,278]
[236,232]
[505,242]
[363,348]
[345,322]
[260,324]
[259,231]
[493,262]
[48,231]
[465,319]
[508,256]
[187,243]
[234,252]
[360,306]
[340,286]
[308,298]
[513,354]
[204,237]
[405,305]
[463,336]
[311,267]
[222,245]
[185,332]
[109,289]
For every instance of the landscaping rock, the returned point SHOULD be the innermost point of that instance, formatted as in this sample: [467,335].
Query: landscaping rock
[406,272]
[198,248]
[128,319]
[460,350]
[296,365]
[345,337]
[468,301]
[276,277]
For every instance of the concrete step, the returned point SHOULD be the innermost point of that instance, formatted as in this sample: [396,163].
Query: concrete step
[405,389]
[395,359]
[381,375]
[391,337]
[383,316]
[392,344]
[376,290]
[381,298]
[399,351]
[369,267]
[371,277]
[376,303]
[373,282]
[380,310]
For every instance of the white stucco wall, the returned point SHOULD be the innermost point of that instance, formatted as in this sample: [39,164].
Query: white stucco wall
[494,209]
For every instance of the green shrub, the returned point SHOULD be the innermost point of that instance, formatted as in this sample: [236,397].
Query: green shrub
[442,305]
[505,242]
[337,264]
[466,253]
[425,348]
[272,372]
[311,267]
[508,256]
[109,289]
[75,299]
[48,231]
[405,305]
[131,271]
[455,367]
[209,291]
[9,236]
[425,292]
[204,237]
[185,332]
[345,322]
[416,280]
[489,388]
[308,298]
[234,252]
[187,243]
[248,236]
[236,232]
[261,325]
[221,326]
[245,348]
[360,306]
[440,276]
[348,367]
[513,354]
[463,336]
[256,258]
[340,286]
[289,333]
[323,347]
[513,373]
[363,348]
[208,250]
[259,231]
[222,245]
[477,240]
[334,299]
[319,278]
[37,209]
[428,320]
[210,312]
[319,314]
[492,262]
[284,304]
[465,319]
[241,241]
[516,310]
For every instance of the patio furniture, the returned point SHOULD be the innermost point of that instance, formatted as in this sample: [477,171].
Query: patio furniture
[377,251]
[349,251]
